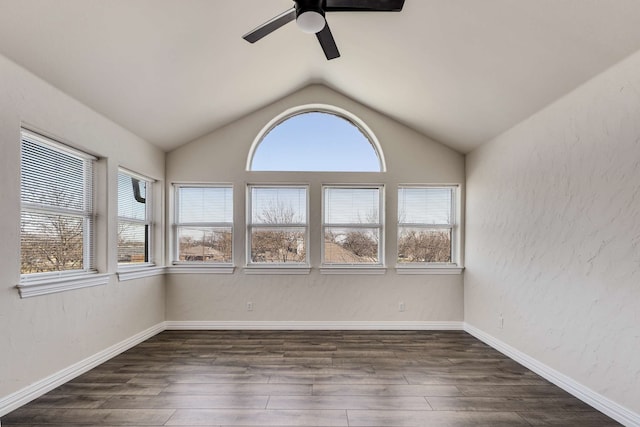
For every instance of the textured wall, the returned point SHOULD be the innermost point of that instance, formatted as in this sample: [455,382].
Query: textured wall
[221,157]
[553,235]
[42,335]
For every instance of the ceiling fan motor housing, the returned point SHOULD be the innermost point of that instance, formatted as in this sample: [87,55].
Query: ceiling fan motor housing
[310,15]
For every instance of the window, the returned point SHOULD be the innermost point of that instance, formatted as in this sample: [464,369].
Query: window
[134,219]
[57,216]
[426,225]
[277,224]
[316,140]
[352,225]
[204,224]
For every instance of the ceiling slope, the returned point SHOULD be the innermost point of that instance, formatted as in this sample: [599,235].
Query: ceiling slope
[458,71]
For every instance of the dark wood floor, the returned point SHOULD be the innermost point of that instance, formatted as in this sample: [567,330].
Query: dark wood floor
[308,378]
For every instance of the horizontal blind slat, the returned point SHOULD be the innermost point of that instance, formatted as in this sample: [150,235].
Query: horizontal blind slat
[204,204]
[425,205]
[279,205]
[351,205]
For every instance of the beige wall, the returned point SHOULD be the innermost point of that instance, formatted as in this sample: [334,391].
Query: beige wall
[552,245]
[42,335]
[221,157]
[553,235]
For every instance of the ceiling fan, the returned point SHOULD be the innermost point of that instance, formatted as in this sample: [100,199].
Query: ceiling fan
[310,17]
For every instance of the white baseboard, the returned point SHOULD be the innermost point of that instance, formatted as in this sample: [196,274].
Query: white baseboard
[311,325]
[37,389]
[590,397]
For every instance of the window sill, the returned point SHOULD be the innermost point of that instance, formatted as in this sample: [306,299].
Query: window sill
[288,270]
[200,269]
[139,272]
[34,288]
[435,269]
[343,269]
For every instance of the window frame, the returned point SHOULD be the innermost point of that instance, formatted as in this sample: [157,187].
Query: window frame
[452,267]
[148,222]
[355,268]
[317,108]
[42,283]
[199,266]
[276,267]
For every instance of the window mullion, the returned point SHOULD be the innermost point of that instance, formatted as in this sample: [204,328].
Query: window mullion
[38,208]
[133,220]
[353,225]
[205,224]
[283,225]
[423,225]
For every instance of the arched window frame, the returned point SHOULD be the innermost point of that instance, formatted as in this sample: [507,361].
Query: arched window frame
[319,108]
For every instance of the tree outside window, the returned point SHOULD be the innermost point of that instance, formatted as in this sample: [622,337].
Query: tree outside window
[425,225]
[352,225]
[278,224]
[57,217]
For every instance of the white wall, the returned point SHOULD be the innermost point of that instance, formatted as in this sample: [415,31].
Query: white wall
[553,235]
[221,157]
[42,335]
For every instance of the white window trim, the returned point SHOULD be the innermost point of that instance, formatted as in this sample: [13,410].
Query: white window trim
[321,108]
[281,269]
[200,269]
[347,269]
[50,285]
[36,284]
[275,267]
[337,268]
[435,268]
[431,269]
[189,267]
[138,270]
[64,148]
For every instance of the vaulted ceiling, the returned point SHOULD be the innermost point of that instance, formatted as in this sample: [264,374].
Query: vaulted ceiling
[459,71]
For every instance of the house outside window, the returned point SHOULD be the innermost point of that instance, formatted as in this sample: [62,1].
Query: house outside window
[352,226]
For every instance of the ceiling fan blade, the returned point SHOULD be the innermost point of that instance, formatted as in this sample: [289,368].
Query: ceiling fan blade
[270,26]
[363,5]
[328,43]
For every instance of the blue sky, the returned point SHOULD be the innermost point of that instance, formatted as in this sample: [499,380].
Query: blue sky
[316,142]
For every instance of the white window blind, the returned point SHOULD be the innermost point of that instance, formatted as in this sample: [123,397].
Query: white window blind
[204,224]
[426,224]
[277,224]
[57,216]
[352,225]
[134,219]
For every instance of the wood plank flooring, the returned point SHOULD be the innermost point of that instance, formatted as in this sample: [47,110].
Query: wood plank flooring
[308,378]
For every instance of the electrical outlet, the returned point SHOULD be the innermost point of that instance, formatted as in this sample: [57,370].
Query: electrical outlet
[249,306]
[402,306]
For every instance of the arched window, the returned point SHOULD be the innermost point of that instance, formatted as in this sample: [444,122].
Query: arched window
[316,138]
